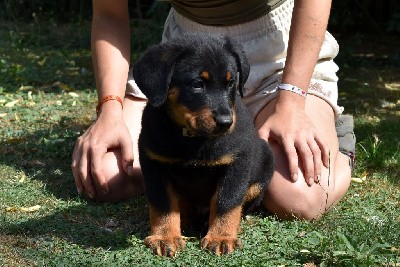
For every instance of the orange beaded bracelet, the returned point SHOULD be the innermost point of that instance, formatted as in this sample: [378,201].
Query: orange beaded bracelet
[108,98]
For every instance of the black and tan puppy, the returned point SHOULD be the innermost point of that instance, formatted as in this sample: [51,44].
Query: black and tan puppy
[198,148]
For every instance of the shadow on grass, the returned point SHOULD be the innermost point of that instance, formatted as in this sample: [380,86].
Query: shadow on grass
[106,226]
[41,156]
[47,159]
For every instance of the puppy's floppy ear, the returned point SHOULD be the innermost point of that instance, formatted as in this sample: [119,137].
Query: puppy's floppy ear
[242,62]
[153,72]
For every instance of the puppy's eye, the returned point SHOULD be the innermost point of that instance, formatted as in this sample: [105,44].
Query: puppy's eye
[198,85]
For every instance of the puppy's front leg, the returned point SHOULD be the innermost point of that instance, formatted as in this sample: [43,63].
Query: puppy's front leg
[165,238]
[221,237]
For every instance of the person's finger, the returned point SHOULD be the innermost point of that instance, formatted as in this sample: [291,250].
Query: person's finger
[84,172]
[74,166]
[96,167]
[127,155]
[324,150]
[307,161]
[293,160]
[316,152]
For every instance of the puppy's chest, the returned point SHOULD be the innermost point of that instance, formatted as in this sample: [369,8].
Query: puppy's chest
[185,158]
[195,176]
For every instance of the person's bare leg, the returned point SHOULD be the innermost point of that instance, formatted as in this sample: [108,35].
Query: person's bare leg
[121,185]
[289,199]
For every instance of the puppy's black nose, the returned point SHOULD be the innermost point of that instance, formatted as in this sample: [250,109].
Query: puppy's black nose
[224,121]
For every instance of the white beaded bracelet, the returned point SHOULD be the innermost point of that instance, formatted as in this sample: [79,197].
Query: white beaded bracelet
[292,88]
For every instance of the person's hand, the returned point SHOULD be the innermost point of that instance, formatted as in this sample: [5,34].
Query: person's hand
[109,131]
[291,128]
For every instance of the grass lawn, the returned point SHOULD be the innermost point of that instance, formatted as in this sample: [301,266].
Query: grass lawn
[47,99]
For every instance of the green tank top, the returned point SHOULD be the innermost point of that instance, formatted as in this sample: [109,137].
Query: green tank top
[224,12]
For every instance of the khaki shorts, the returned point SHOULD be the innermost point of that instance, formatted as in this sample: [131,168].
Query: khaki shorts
[265,41]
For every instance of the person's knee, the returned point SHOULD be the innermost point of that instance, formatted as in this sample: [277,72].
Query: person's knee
[311,207]
[302,202]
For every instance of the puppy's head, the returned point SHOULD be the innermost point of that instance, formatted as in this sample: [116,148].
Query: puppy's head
[195,77]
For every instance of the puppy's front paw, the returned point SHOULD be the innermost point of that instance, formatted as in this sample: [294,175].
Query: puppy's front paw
[164,245]
[220,245]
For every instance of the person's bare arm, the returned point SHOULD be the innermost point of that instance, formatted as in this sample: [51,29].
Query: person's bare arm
[111,53]
[289,125]
[110,46]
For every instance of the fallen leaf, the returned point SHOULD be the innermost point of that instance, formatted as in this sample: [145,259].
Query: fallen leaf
[11,104]
[387,104]
[23,178]
[3,115]
[392,86]
[364,175]
[23,87]
[73,94]
[12,209]
[42,62]
[360,179]
[29,209]
[357,180]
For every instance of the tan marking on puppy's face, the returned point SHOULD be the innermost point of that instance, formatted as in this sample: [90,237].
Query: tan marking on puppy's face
[205,75]
[201,122]
[228,76]
[175,110]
